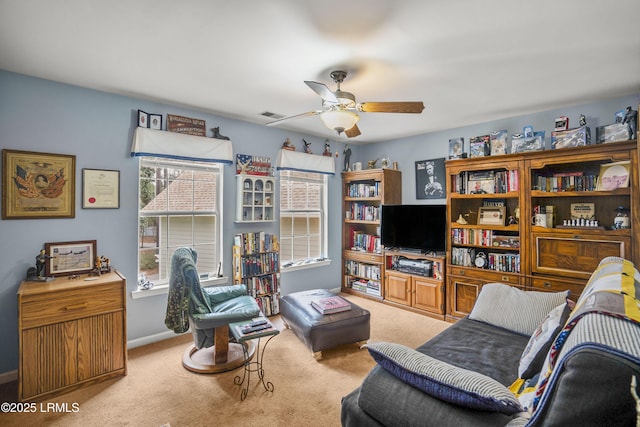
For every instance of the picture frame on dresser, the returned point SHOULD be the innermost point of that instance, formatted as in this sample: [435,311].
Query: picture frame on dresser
[491,215]
[67,258]
[37,185]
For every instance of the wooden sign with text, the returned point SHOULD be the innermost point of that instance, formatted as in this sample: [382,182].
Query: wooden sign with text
[180,124]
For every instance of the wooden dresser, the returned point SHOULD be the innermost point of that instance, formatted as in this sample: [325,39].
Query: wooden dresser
[72,333]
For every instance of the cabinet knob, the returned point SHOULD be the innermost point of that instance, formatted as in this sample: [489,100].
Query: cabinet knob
[461,272]
[505,278]
[546,284]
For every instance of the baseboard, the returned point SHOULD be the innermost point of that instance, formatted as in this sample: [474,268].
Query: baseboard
[150,339]
[7,377]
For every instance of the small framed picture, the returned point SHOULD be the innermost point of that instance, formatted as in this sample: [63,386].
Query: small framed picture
[493,215]
[65,258]
[100,189]
[143,119]
[613,176]
[155,121]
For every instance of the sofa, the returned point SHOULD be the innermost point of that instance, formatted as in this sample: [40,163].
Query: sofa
[519,358]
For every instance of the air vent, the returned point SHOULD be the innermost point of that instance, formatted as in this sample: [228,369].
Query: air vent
[272,115]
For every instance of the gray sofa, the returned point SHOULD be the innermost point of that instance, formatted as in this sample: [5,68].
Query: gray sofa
[581,368]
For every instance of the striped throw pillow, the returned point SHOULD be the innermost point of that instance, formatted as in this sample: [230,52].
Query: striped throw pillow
[444,381]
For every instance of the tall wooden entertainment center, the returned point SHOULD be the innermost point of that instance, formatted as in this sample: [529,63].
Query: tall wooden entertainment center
[505,246]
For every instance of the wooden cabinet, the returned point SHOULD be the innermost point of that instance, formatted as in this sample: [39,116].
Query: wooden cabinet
[424,294]
[256,264]
[363,194]
[255,198]
[556,184]
[72,332]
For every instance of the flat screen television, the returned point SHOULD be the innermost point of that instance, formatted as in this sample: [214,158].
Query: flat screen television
[414,227]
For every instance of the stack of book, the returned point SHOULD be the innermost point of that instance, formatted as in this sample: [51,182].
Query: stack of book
[331,305]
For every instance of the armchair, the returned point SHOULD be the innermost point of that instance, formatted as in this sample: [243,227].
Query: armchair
[208,311]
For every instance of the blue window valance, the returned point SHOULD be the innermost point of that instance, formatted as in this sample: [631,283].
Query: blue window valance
[158,143]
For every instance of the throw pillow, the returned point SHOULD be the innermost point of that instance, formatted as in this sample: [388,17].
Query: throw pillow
[444,381]
[540,342]
[511,308]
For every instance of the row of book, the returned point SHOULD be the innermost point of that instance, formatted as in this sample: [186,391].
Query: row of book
[504,262]
[368,271]
[269,304]
[263,263]
[364,212]
[369,287]
[361,241]
[572,181]
[364,190]
[260,285]
[465,236]
[486,182]
[252,243]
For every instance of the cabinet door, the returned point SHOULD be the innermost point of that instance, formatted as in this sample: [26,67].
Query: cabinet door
[461,295]
[100,344]
[48,359]
[427,295]
[398,288]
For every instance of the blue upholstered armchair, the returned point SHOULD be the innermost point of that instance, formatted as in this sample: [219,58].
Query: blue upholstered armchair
[208,311]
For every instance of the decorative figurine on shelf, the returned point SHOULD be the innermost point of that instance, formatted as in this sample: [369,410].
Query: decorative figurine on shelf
[143,283]
[347,158]
[371,164]
[385,163]
[327,149]
[216,134]
[103,264]
[582,121]
[631,120]
[307,146]
[36,273]
[287,145]
[461,220]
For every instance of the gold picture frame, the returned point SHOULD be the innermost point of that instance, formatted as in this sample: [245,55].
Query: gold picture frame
[491,215]
[37,185]
[66,258]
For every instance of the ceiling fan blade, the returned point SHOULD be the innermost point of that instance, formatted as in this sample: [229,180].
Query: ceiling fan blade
[297,116]
[322,90]
[391,107]
[353,132]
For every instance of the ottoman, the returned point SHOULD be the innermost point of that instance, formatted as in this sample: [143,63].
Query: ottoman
[321,332]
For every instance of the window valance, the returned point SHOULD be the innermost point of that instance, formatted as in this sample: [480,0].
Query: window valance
[304,162]
[157,143]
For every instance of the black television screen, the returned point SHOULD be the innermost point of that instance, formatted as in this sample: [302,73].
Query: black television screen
[414,227]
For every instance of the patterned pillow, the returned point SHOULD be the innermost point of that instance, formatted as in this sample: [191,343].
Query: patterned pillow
[444,381]
[513,309]
[540,342]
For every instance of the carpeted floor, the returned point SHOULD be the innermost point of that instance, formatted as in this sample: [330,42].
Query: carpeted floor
[158,391]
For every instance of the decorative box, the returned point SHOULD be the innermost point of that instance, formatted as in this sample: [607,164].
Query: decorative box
[479,146]
[575,137]
[613,133]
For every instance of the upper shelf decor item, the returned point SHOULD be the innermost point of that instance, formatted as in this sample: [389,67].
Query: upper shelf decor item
[155,121]
[253,165]
[190,126]
[37,185]
[339,108]
[143,119]
[100,189]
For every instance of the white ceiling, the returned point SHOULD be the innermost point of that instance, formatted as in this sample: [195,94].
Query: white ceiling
[469,61]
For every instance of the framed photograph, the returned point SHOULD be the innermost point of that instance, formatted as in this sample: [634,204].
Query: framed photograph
[613,176]
[100,189]
[430,179]
[456,148]
[155,121]
[37,185]
[66,258]
[493,215]
[143,119]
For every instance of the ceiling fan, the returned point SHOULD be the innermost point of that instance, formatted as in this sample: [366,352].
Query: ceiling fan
[340,110]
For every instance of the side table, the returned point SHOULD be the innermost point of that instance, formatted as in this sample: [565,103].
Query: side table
[257,365]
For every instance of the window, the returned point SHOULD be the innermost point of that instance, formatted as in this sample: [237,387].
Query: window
[179,206]
[303,202]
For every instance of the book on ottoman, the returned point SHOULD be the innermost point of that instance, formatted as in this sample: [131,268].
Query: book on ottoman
[331,305]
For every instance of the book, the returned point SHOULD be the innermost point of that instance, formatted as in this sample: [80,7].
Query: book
[331,305]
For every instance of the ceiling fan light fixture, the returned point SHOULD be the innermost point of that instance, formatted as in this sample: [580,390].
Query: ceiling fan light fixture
[339,119]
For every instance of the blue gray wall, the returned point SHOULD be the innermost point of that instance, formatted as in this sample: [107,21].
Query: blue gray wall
[96,127]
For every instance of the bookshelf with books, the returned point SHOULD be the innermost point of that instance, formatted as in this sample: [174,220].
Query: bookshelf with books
[363,194]
[255,198]
[568,209]
[256,265]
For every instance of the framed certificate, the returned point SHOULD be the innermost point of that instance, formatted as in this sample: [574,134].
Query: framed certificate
[100,189]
